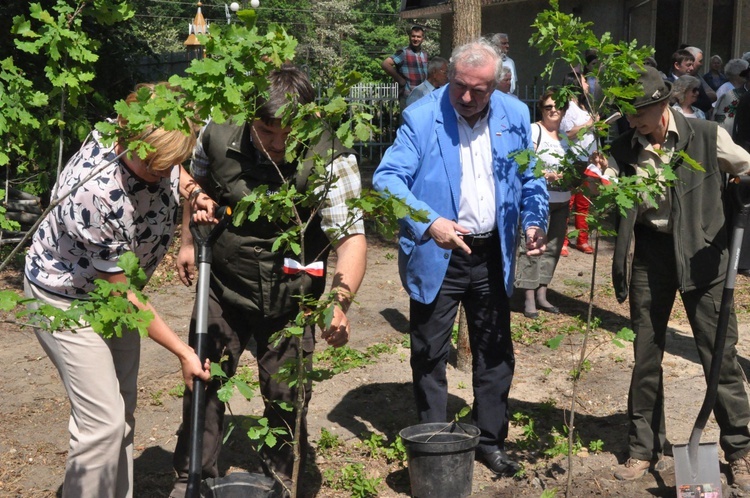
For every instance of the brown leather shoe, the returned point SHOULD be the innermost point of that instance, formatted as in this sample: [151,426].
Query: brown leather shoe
[741,472]
[635,469]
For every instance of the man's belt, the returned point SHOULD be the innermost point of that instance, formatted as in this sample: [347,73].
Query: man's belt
[480,239]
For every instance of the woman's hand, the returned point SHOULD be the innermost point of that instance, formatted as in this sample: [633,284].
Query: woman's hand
[552,176]
[202,207]
[191,368]
[186,263]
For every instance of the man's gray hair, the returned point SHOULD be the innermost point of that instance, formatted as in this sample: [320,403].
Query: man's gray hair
[504,71]
[436,64]
[694,50]
[475,54]
[497,37]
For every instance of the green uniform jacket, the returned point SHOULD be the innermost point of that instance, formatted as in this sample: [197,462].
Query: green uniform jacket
[698,221]
[245,272]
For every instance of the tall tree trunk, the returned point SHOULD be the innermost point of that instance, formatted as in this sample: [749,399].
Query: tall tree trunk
[467,21]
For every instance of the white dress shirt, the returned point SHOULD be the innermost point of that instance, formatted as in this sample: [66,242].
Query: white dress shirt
[477,206]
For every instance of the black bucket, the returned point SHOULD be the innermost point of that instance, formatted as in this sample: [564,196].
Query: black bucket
[441,459]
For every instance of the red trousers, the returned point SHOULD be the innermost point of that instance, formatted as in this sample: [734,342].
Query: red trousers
[579,208]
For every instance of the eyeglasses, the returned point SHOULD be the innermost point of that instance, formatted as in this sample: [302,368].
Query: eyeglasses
[549,108]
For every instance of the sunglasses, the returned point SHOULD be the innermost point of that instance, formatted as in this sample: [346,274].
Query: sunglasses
[549,108]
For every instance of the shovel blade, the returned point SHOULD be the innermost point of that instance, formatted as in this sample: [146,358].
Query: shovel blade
[700,478]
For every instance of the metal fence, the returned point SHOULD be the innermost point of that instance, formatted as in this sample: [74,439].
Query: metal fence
[381,100]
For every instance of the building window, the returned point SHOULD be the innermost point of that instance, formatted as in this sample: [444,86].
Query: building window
[722,29]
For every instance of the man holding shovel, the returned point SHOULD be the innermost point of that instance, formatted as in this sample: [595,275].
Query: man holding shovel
[253,288]
[678,243]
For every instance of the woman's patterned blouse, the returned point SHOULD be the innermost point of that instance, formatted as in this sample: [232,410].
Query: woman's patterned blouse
[112,213]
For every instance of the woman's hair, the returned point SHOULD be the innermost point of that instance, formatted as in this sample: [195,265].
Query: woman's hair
[171,147]
[734,67]
[682,85]
[549,93]
[715,58]
[285,82]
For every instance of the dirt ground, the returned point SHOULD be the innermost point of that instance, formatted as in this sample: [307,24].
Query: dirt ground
[377,398]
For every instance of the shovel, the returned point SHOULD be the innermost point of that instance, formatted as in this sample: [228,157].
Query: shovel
[696,463]
[237,484]
[197,411]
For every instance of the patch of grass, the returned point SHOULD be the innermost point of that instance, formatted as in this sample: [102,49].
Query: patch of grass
[328,440]
[156,398]
[577,284]
[177,391]
[376,447]
[352,478]
[338,360]
[528,332]
[406,341]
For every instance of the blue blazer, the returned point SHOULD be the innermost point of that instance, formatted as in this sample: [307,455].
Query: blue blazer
[423,167]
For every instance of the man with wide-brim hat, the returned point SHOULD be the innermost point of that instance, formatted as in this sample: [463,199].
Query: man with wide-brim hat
[678,242]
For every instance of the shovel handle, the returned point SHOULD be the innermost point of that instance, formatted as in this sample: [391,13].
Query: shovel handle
[197,407]
[224,215]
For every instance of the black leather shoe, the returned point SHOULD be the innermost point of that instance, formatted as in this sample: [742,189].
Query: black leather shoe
[554,310]
[531,314]
[499,463]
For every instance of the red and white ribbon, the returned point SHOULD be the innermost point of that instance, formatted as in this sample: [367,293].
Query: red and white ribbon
[593,171]
[292,267]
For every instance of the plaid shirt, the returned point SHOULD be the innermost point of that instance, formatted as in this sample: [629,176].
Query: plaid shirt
[412,66]
[334,214]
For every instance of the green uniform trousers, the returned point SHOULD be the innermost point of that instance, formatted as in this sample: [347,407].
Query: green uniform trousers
[653,288]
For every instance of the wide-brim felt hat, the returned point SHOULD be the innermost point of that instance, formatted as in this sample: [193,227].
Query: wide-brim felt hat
[655,88]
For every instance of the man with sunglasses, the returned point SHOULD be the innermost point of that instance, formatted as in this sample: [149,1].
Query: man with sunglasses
[453,158]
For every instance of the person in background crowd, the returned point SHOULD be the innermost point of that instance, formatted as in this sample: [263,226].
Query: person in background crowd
[583,144]
[684,94]
[452,158]
[501,43]
[706,94]
[733,72]
[737,72]
[715,76]
[437,76]
[408,66]
[534,273]
[129,205]
[506,81]
[590,70]
[682,63]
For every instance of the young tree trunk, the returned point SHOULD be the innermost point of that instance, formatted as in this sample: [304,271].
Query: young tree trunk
[467,21]
[463,349]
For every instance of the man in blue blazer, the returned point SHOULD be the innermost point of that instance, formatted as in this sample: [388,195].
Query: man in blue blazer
[454,158]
